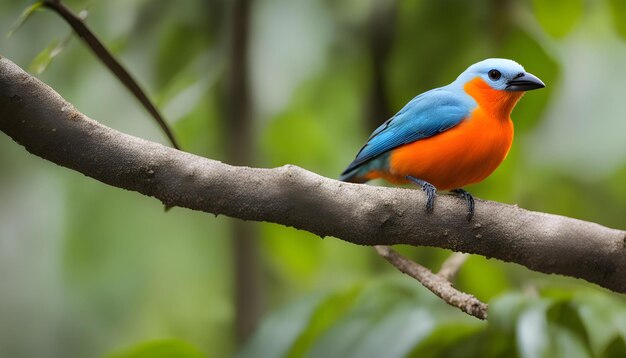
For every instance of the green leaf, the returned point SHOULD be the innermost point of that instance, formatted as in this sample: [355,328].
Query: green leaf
[360,334]
[399,313]
[504,310]
[603,318]
[618,12]
[448,339]
[165,348]
[354,322]
[326,314]
[616,349]
[565,343]
[43,58]
[558,17]
[533,339]
[569,337]
[281,329]
[26,14]
[549,326]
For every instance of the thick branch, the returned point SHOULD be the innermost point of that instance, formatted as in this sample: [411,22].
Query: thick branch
[46,125]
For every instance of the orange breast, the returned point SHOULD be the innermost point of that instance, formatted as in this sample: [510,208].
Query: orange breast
[464,154]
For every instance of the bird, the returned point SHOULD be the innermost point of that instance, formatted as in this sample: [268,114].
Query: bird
[448,137]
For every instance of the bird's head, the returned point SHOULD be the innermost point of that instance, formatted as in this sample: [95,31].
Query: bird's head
[498,83]
[502,74]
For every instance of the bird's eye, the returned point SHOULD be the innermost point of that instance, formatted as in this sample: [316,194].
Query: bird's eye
[494,75]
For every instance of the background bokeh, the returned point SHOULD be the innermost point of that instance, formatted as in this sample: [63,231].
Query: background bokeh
[88,270]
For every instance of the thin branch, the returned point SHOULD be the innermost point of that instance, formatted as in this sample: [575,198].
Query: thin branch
[441,283]
[47,126]
[451,266]
[111,63]
[435,283]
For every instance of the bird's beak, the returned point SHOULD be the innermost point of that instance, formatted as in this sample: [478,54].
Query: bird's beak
[524,82]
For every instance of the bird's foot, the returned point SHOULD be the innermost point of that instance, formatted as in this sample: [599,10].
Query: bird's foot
[429,189]
[469,200]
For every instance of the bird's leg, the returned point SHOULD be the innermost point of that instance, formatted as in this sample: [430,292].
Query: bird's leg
[469,200]
[429,189]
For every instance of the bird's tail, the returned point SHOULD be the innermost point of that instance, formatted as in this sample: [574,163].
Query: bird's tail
[355,175]
[360,172]
[351,178]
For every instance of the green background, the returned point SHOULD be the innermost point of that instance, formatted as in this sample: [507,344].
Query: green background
[88,270]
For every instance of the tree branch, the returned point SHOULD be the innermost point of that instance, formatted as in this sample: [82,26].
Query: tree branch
[47,126]
[437,284]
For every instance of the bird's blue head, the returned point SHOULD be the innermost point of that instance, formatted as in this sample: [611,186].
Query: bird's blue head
[501,74]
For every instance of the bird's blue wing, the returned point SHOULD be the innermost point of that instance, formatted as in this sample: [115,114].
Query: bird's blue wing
[430,113]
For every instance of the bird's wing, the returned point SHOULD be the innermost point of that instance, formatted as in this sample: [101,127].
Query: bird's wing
[424,116]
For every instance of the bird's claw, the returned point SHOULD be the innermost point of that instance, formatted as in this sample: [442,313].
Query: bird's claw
[430,191]
[469,200]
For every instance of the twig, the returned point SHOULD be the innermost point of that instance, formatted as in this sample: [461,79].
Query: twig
[46,125]
[451,266]
[435,283]
[111,63]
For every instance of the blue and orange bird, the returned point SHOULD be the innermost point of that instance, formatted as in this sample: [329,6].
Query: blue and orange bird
[448,137]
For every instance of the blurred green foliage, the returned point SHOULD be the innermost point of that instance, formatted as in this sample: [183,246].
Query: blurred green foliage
[393,317]
[618,11]
[161,349]
[89,270]
[569,14]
